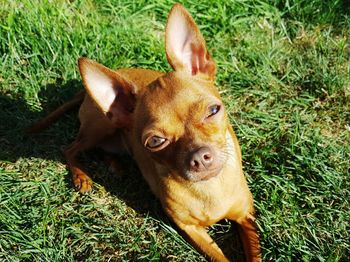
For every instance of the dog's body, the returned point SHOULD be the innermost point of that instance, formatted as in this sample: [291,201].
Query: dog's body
[175,127]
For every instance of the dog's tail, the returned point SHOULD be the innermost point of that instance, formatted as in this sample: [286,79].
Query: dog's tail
[53,116]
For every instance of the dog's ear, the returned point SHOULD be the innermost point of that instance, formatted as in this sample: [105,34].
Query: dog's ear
[114,94]
[185,45]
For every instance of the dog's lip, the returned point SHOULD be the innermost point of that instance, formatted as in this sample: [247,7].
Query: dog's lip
[210,174]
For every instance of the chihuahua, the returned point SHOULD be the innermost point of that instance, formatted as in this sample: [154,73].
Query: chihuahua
[175,127]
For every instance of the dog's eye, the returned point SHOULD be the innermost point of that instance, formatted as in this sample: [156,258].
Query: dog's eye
[213,110]
[155,142]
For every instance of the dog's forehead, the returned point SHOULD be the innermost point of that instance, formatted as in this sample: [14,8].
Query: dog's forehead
[174,91]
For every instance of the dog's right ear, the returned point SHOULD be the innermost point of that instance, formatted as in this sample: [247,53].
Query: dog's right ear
[113,94]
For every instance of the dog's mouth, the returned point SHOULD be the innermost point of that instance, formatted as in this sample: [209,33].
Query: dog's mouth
[204,175]
[210,174]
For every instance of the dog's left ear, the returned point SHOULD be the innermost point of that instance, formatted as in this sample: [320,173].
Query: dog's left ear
[185,45]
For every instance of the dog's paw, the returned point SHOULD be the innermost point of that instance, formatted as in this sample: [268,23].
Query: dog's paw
[82,183]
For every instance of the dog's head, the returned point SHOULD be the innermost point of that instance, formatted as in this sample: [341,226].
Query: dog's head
[179,118]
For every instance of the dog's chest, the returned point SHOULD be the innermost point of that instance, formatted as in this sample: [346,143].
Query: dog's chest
[206,202]
[210,204]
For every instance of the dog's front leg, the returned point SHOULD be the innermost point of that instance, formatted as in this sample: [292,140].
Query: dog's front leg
[250,239]
[82,182]
[202,241]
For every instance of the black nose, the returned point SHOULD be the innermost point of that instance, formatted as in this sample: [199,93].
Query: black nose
[201,159]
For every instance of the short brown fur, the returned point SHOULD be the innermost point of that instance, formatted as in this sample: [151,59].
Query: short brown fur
[176,128]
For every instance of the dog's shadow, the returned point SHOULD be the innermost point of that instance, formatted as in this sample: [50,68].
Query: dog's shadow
[16,116]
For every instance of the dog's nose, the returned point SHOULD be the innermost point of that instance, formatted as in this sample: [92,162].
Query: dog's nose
[201,159]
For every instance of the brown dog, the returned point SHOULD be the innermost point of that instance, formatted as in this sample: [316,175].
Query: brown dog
[176,128]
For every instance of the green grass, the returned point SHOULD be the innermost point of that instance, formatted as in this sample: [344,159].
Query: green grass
[284,74]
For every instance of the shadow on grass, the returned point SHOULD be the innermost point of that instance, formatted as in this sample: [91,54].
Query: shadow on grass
[129,185]
[16,116]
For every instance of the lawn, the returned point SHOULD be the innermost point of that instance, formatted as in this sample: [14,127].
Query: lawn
[284,74]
